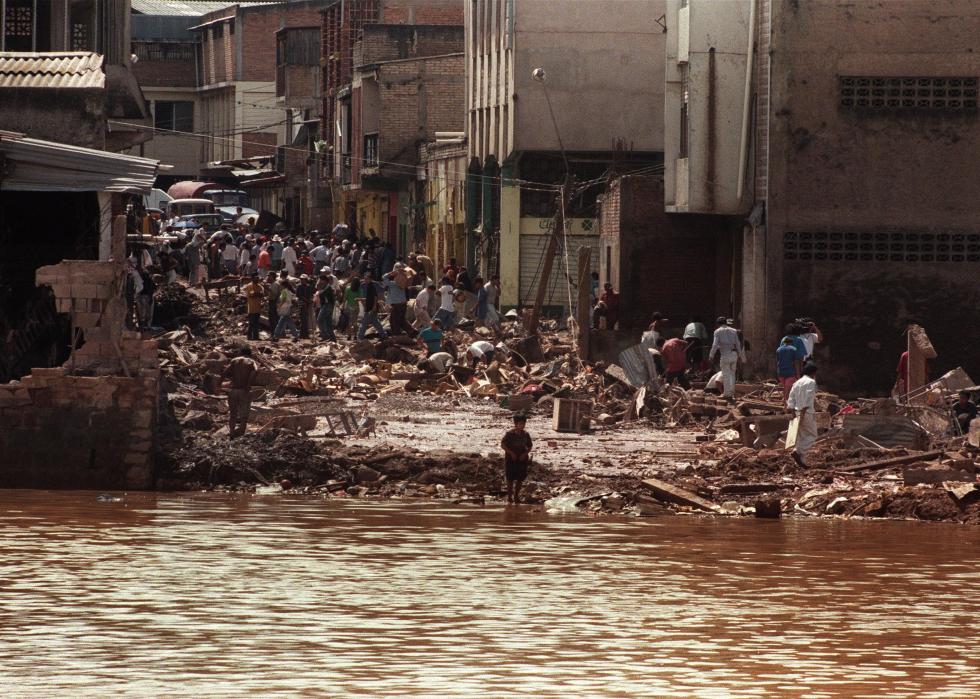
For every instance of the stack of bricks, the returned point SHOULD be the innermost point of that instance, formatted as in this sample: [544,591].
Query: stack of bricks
[91,291]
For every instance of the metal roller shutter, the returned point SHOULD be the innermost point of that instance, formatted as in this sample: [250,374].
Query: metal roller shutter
[532,261]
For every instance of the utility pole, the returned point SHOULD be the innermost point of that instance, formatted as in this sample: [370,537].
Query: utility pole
[564,196]
[584,302]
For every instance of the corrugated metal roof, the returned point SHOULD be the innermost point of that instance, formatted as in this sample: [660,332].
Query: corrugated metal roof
[46,166]
[51,70]
[188,8]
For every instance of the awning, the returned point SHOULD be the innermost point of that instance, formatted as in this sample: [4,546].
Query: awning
[33,165]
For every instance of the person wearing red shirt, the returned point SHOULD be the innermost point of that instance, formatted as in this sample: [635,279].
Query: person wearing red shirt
[305,263]
[674,352]
[608,308]
[264,261]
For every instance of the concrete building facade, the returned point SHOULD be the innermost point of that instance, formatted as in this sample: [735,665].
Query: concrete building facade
[66,72]
[859,179]
[602,69]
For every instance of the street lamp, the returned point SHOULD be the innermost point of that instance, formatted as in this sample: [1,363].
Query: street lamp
[540,75]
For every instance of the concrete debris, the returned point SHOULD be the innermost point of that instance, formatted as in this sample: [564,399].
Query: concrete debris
[315,403]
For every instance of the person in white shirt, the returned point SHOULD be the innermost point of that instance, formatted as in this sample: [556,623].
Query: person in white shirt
[424,306]
[729,349]
[481,349]
[438,362]
[801,401]
[289,259]
[230,257]
[811,337]
[447,305]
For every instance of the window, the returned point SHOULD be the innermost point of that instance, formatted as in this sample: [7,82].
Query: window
[82,18]
[18,25]
[882,246]
[932,94]
[163,51]
[371,150]
[174,116]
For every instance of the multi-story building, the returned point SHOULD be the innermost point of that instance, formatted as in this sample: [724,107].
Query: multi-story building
[858,195]
[392,81]
[240,114]
[66,73]
[440,209]
[554,87]
[298,90]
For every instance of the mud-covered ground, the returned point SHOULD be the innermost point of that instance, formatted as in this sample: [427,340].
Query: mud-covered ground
[429,442]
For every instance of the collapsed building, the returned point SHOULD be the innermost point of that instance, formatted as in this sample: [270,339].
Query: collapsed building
[78,408]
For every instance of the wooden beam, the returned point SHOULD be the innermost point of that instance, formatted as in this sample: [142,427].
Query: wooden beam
[894,461]
[671,493]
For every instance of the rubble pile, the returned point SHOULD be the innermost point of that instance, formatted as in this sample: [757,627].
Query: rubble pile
[873,457]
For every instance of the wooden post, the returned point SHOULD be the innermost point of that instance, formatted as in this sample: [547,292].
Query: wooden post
[549,256]
[584,302]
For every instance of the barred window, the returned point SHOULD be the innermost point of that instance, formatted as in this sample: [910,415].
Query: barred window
[930,94]
[163,51]
[882,246]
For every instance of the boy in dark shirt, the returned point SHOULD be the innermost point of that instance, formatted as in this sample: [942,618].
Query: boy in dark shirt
[517,456]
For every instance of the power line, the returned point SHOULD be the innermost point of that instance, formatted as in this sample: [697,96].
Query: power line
[523,184]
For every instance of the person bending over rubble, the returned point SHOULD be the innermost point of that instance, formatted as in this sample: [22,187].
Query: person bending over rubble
[801,400]
[481,349]
[517,446]
[438,363]
[241,371]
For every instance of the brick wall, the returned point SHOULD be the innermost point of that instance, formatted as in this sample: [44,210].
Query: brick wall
[258,26]
[151,73]
[258,143]
[386,42]
[679,264]
[418,98]
[90,423]
[422,12]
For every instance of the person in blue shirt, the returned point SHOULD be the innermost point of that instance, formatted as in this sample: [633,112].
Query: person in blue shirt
[793,334]
[786,360]
[431,337]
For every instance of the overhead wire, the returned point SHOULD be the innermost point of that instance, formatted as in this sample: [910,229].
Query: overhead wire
[523,184]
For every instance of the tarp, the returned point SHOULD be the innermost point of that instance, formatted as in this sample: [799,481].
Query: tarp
[33,165]
[190,189]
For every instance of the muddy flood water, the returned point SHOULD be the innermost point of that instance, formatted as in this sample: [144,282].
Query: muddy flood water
[212,595]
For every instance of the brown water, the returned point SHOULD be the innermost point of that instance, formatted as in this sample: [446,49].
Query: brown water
[211,595]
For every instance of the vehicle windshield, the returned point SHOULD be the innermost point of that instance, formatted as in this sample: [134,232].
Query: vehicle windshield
[228,197]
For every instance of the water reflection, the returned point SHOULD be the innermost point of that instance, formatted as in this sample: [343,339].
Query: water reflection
[201,594]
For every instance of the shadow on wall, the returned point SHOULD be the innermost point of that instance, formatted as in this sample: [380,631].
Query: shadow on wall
[863,316]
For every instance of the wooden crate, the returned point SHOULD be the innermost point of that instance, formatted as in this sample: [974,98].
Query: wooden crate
[571,415]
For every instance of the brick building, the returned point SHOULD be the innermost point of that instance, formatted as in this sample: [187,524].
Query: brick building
[306,204]
[372,148]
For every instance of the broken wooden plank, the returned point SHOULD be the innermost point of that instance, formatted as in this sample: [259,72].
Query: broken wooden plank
[894,461]
[671,493]
[749,488]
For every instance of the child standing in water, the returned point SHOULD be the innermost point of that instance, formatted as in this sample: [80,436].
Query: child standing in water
[517,456]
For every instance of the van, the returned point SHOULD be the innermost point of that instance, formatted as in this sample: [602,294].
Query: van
[189,207]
